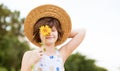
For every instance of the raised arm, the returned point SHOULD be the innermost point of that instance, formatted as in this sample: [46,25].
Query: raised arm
[77,37]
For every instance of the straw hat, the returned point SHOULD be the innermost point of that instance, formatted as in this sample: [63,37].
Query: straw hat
[47,10]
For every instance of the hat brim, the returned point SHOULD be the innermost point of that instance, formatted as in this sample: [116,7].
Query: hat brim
[47,10]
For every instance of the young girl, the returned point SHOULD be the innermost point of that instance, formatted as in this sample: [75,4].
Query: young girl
[47,31]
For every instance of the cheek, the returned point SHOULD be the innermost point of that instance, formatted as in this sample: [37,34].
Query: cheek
[56,35]
[41,37]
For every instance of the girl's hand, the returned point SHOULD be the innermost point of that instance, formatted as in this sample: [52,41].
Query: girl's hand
[30,58]
[35,56]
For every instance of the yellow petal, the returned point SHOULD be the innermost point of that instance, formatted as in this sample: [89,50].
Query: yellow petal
[45,30]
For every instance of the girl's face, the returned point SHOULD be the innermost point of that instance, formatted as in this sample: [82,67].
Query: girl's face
[51,38]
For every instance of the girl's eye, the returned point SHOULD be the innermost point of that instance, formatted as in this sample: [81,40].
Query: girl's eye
[53,30]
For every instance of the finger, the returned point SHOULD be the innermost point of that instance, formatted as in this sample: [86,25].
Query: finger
[41,54]
[40,51]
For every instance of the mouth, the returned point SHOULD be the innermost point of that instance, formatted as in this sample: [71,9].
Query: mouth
[49,37]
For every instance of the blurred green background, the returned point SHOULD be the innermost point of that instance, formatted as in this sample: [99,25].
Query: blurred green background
[13,45]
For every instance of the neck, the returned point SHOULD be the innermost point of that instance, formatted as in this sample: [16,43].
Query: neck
[50,49]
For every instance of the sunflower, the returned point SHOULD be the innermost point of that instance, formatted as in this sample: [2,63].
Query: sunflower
[45,30]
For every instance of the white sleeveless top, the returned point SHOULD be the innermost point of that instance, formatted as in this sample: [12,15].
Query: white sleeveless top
[50,63]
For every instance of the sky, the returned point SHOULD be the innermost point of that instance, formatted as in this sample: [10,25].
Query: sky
[100,18]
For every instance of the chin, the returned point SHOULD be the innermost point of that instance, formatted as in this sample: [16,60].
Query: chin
[49,42]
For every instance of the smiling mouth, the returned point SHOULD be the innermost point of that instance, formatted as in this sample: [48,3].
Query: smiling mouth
[49,37]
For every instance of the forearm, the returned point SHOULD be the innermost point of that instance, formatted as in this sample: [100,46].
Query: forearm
[77,32]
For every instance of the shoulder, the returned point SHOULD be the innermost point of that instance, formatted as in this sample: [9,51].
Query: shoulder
[28,53]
